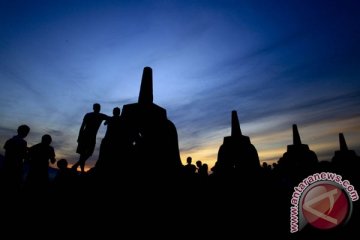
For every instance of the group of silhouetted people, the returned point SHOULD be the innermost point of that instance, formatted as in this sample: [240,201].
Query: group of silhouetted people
[37,158]
[190,170]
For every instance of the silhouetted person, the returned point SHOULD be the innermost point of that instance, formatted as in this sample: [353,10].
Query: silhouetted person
[202,169]
[198,165]
[190,169]
[64,179]
[113,125]
[110,148]
[39,157]
[15,152]
[87,135]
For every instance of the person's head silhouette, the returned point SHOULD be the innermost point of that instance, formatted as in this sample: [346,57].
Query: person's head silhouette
[116,111]
[189,160]
[46,139]
[96,107]
[62,164]
[23,130]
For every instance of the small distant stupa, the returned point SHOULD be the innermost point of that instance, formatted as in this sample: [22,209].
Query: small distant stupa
[344,159]
[236,154]
[298,158]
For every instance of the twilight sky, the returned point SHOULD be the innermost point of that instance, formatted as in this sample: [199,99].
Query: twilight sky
[275,62]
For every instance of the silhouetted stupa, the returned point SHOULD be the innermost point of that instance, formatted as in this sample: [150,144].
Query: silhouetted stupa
[344,159]
[298,160]
[151,138]
[236,155]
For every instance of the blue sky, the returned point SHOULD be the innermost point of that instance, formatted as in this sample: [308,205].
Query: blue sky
[275,62]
